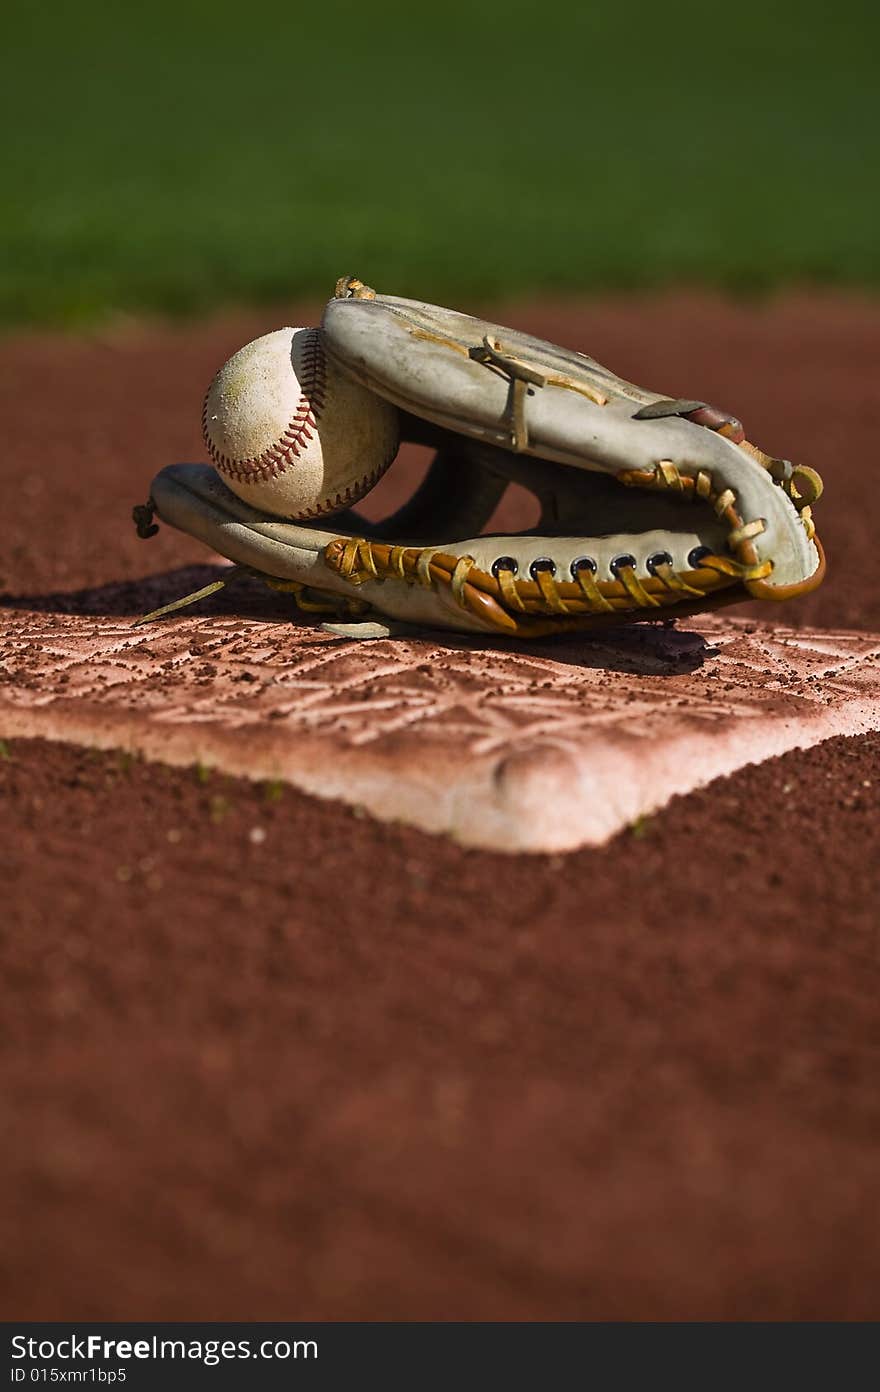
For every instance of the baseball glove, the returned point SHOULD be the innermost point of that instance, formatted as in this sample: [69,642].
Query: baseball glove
[650,507]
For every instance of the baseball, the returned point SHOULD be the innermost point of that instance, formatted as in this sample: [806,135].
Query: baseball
[290,433]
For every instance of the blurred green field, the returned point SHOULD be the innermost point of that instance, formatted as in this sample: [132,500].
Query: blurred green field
[173,157]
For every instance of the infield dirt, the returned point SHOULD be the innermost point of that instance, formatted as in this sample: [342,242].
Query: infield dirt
[268,1058]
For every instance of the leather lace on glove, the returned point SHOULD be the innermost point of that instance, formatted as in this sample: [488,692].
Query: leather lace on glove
[651,507]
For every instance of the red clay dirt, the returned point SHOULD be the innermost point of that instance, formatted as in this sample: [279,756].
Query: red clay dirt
[267,1058]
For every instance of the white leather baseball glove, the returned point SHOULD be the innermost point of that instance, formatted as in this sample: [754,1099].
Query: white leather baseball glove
[650,507]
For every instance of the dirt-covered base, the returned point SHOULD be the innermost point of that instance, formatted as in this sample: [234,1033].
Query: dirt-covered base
[266,1058]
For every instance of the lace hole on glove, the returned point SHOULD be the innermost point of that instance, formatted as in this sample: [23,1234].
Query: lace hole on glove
[698,555]
[659,558]
[625,562]
[542,563]
[583,563]
[504,563]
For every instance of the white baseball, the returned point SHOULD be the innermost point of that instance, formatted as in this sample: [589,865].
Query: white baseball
[290,433]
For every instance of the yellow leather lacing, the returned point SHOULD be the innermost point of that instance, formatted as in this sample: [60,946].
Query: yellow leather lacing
[517,605]
[316,601]
[513,605]
[802,484]
[521,377]
[804,487]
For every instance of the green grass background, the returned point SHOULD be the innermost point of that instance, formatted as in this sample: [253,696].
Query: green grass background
[173,156]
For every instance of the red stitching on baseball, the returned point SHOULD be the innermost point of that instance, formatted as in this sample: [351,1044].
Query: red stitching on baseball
[273,460]
[353,493]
